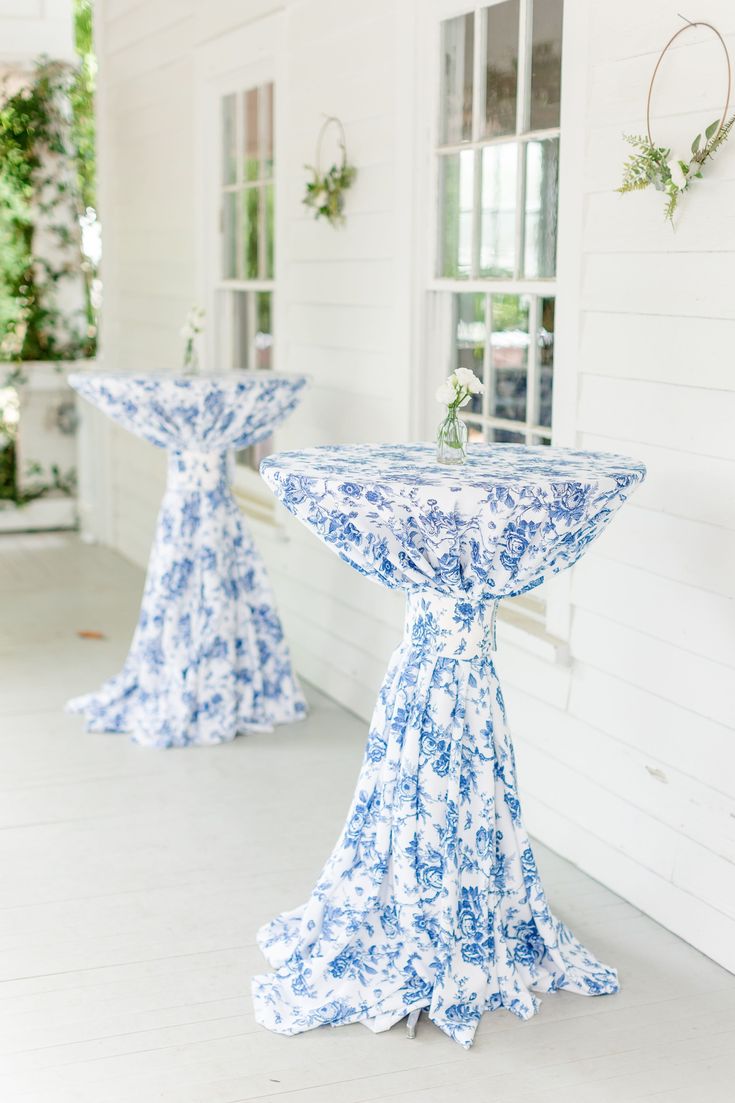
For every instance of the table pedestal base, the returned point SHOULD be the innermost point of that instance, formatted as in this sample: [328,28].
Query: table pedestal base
[431,898]
[208,659]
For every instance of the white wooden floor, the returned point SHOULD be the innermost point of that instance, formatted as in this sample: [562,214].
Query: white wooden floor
[132,882]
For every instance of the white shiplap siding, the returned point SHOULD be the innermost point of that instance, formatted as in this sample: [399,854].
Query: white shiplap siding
[626,752]
[342,299]
[635,777]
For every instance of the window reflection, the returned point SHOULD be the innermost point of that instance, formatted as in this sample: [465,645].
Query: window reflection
[509,356]
[545,360]
[229,155]
[250,232]
[457,189]
[498,216]
[546,64]
[470,330]
[493,337]
[542,185]
[457,48]
[251,135]
[501,68]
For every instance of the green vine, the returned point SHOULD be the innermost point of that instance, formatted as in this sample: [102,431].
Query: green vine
[47,183]
[43,125]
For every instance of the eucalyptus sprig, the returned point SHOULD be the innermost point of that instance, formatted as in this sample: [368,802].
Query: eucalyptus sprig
[651,165]
[325,191]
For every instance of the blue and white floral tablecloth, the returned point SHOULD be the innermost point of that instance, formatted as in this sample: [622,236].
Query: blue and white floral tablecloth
[208,659]
[431,898]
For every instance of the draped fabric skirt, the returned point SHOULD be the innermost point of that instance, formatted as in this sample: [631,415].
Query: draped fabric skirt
[208,659]
[431,898]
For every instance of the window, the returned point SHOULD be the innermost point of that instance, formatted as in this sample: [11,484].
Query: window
[245,288]
[497,182]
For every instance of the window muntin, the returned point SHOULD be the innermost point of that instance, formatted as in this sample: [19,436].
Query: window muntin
[497,171]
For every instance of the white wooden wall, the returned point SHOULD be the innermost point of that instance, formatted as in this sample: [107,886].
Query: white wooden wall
[631,771]
[626,753]
[30,28]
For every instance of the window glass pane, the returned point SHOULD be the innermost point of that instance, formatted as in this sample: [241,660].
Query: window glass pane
[546,64]
[509,356]
[242,327]
[545,360]
[266,94]
[539,440]
[229,154]
[251,135]
[266,197]
[229,235]
[470,330]
[542,187]
[498,215]
[505,436]
[476,434]
[263,340]
[501,68]
[250,205]
[457,47]
[456,187]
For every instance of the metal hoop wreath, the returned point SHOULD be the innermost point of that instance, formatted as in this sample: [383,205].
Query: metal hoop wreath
[688,27]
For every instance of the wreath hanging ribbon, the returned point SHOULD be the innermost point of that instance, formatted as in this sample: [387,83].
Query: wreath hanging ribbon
[654,165]
[325,191]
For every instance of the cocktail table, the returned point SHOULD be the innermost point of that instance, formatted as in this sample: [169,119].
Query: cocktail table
[208,659]
[432,898]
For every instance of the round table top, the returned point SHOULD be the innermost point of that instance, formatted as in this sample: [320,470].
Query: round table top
[204,412]
[492,527]
[487,465]
[199,381]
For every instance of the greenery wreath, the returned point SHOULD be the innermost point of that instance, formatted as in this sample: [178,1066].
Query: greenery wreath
[325,191]
[654,165]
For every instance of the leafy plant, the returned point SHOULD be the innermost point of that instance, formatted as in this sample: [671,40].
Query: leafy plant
[651,165]
[47,183]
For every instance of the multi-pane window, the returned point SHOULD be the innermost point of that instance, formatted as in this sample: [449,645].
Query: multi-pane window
[498,157]
[246,282]
[246,276]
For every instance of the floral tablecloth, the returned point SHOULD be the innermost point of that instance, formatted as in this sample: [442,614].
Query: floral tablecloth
[432,898]
[208,659]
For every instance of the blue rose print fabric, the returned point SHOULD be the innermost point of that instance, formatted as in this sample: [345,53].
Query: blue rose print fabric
[431,898]
[208,659]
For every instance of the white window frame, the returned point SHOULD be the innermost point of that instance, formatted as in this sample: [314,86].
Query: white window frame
[546,632]
[233,62]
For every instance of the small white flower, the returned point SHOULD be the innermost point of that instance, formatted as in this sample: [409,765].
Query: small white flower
[458,388]
[467,378]
[679,176]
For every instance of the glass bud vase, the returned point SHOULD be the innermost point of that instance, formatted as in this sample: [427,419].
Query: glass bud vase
[451,439]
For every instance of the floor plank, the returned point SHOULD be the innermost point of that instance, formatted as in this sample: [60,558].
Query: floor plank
[133,882]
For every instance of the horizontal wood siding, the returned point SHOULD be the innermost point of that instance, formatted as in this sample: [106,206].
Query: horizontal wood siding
[633,776]
[343,301]
[626,752]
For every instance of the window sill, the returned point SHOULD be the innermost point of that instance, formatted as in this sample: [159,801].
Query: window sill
[517,627]
[253,497]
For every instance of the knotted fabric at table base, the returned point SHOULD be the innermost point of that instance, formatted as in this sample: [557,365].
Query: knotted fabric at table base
[431,898]
[207,599]
[208,660]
